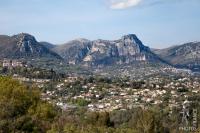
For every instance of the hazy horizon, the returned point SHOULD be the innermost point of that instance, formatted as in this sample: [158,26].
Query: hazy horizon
[157,23]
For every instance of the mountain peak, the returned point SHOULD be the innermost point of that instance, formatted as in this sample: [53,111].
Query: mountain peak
[131,38]
[24,37]
[78,40]
[23,45]
[82,40]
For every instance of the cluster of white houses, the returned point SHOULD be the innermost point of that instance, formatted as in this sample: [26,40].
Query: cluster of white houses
[12,63]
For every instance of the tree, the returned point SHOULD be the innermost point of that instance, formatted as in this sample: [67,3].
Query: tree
[21,109]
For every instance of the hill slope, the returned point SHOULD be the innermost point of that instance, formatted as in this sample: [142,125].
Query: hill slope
[23,46]
[186,55]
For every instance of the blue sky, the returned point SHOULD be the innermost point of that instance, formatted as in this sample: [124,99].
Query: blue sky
[158,23]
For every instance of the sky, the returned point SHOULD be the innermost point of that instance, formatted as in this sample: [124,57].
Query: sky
[157,23]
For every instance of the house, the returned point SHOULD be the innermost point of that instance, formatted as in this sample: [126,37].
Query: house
[7,63]
[16,63]
[72,62]
[12,63]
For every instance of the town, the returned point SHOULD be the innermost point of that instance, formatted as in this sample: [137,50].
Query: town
[168,87]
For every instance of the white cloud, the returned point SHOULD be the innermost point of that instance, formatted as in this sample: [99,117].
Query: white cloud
[123,4]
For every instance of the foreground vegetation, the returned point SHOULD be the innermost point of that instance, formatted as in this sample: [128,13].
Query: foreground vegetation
[22,110]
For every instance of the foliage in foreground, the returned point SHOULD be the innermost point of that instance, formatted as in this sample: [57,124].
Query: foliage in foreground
[21,109]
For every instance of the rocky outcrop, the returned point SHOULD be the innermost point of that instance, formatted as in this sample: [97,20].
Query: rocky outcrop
[128,49]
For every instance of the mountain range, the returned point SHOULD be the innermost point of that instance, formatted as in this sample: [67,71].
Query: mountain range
[126,50]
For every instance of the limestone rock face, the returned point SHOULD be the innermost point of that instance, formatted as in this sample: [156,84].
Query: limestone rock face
[128,49]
